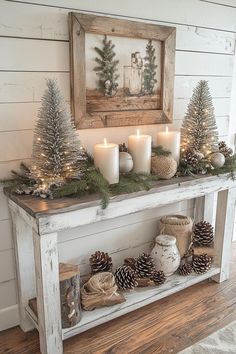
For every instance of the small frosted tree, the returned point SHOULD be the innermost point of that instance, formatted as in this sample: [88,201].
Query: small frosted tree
[149,72]
[107,68]
[199,131]
[57,154]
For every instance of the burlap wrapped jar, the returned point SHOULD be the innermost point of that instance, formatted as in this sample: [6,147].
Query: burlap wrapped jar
[164,167]
[179,226]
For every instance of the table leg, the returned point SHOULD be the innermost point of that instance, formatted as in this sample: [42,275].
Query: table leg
[48,293]
[23,245]
[205,208]
[225,216]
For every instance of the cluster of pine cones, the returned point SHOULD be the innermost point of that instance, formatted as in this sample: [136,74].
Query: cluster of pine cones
[203,235]
[126,275]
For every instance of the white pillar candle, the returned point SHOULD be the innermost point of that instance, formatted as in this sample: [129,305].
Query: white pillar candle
[140,147]
[106,158]
[170,140]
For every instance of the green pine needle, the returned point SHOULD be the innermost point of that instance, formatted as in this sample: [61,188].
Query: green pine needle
[159,150]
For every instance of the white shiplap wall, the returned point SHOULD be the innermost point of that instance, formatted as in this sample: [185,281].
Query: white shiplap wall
[34,46]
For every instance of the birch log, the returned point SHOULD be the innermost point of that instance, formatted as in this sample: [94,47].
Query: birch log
[70,295]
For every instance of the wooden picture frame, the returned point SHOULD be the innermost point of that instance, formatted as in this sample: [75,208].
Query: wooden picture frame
[79,25]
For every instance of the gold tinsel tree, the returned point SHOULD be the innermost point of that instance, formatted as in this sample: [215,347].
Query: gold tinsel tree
[199,131]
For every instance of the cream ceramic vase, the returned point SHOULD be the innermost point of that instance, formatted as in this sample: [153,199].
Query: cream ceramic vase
[165,254]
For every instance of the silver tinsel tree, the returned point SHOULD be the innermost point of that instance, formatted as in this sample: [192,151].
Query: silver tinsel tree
[57,154]
[199,131]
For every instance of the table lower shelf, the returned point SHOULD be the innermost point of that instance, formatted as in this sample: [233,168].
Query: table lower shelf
[134,300]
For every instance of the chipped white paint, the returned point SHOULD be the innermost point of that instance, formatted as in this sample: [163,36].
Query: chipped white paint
[44,227]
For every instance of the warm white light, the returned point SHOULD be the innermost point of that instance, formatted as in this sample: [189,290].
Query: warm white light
[105,141]
[167,129]
[138,132]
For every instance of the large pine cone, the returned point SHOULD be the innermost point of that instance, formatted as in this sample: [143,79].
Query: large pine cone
[190,158]
[202,264]
[100,262]
[158,277]
[224,149]
[125,278]
[203,234]
[144,266]
[185,269]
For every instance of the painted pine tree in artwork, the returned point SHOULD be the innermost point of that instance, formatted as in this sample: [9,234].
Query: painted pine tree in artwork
[57,154]
[149,72]
[199,131]
[107,68]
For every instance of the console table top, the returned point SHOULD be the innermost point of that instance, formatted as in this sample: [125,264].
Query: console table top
[38,207]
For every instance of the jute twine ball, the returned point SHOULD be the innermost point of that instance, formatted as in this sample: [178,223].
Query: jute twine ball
[164,166]
[217,159]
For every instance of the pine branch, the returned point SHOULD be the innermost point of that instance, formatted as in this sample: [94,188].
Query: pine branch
[159,150]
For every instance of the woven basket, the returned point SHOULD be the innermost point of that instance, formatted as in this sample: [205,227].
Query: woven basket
[179,226]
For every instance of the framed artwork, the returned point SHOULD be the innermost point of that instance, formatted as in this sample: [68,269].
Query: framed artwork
[122,72]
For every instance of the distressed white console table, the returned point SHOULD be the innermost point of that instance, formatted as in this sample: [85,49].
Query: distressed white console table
[36,224]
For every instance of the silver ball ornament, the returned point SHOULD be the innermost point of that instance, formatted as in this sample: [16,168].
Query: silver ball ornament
[125,162]
[217,159]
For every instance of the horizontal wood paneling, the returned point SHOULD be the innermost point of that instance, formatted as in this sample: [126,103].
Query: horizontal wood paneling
[6,236]
[51,23]
[189,63]
[9,317]
[7,166]
[29,86]
[8,293]
[19,87]
[230,3]
[119,242]
[33,55]
[219,86]
[46,54]
[4,212]
[16,145]
[221,105]
[54,56]
[191,12]
[222,123]
[7,265]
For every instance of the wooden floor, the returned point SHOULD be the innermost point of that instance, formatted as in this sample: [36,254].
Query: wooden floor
[166,326]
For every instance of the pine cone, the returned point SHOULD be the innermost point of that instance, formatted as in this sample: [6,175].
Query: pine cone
[125,277]
[144,265]
[202,264]
[123,148]
[190,158]
[130,261]
[203,234]
[224,149]
[100,262]
[185,269]
[158,277]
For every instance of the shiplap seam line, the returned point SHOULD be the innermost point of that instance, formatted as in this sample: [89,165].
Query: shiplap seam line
[67,41]
[32,129]
[6,249]
[119,16]
[15,160]
[37,38]
[217,3]
[67,72]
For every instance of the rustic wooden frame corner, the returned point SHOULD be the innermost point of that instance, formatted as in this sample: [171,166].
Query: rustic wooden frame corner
[79,24]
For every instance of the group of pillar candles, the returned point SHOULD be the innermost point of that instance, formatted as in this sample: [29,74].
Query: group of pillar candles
[106,155]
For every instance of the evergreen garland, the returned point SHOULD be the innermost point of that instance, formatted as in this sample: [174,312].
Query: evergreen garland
[159,150]
[149,72]
[107,68]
